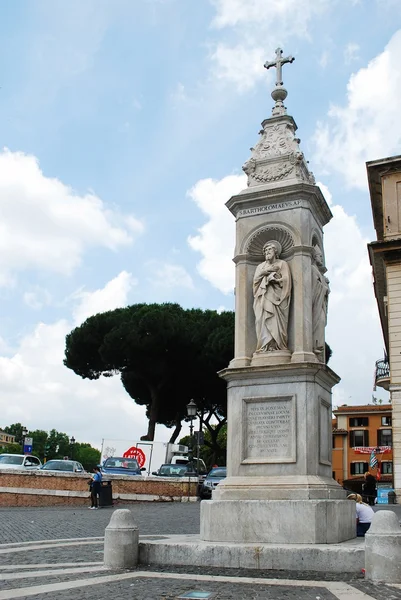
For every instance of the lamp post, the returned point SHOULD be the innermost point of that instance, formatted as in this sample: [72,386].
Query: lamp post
[191,413]
[72,442]
[24,432]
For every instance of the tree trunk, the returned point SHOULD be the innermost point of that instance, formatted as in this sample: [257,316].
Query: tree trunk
[177,430]
[153,415]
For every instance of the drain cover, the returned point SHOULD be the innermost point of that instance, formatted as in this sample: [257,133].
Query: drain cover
[197,595]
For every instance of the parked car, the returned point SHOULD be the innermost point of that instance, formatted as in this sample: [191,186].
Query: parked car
[119,465]
[172,470]
[64,466]
[212,480]
[19,461]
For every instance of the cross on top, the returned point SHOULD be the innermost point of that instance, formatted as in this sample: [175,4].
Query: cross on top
[278,63]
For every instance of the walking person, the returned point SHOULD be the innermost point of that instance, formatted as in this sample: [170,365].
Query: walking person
[95,487]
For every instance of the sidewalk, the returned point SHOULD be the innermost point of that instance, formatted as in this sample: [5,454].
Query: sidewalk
[71,569]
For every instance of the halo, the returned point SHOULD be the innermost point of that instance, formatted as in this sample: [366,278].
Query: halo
[275,245]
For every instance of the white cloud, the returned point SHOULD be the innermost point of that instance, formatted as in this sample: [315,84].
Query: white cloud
[353,329]
[113,295]
[324,59]
[168,276]
[37,298]
[369,126]
[253,22]
[45,225]
[37,390]
[216,238]
[351,52]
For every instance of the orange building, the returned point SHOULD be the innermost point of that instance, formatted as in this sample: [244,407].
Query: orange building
[356,431]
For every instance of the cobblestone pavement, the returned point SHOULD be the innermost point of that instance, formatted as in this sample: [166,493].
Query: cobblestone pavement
[26,524]
[35,564]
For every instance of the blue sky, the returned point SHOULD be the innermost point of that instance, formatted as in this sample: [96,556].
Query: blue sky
[123,128]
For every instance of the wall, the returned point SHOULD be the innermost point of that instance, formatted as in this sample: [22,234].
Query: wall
[38,488]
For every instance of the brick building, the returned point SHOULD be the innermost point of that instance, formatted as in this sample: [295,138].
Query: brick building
[356,431]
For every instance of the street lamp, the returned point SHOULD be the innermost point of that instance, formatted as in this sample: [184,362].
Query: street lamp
[191,413]
[24,432]
[72,442]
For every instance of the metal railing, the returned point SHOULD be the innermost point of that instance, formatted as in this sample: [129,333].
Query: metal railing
[382,369]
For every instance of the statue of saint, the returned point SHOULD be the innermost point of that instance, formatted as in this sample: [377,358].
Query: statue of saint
[272,293]
[320,300]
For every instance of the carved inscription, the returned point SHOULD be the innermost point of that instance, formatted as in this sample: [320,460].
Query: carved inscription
[267,208]
[270,427]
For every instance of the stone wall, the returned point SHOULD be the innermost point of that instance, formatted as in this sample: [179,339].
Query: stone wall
[38,488]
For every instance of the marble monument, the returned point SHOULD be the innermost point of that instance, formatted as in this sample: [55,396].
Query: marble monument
[279,487]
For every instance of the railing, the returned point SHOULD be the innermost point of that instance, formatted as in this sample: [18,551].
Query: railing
[382,374]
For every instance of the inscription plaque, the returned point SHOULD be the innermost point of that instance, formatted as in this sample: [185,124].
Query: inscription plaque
[269,430]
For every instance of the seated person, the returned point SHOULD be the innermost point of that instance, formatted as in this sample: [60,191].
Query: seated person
[364,515]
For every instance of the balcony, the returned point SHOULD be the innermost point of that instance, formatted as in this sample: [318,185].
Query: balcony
[382,374]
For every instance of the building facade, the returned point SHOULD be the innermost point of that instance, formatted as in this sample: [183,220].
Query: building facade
[384,177]
[6,438]
[357,430]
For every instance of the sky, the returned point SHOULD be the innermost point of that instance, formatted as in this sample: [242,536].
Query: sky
[123,129]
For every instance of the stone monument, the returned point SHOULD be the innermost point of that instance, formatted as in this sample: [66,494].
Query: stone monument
[279,487]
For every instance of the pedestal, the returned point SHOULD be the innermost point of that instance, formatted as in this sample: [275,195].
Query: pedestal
[279,486]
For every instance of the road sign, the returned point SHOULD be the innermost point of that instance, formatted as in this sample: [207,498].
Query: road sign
[27,449]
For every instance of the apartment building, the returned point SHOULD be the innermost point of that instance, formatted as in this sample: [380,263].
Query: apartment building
[357,430]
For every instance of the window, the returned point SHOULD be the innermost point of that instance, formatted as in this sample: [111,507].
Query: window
[358,438]
[387,467]
[359,422]
[386,421]
[384,437]
[334,441]
[333,474]
[359,468]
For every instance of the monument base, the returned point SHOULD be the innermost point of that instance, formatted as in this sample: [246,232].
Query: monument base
[278,521]
[189,550]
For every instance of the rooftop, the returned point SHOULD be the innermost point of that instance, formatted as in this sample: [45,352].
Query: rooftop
[365,408]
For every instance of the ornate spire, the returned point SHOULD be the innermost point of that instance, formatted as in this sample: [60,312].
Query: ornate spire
[277,156]
[279,94]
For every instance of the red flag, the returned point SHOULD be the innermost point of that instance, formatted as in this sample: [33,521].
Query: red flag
[378,474]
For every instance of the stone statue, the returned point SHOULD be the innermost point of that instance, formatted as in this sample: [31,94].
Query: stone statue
[272,293]
[320,299]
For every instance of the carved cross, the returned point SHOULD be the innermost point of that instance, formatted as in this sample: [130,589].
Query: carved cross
[278,63]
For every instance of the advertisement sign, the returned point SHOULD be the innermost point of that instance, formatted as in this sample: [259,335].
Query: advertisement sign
[382,495]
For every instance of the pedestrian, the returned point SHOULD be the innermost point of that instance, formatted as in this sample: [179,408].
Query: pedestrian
[95,488]
[369,488]
[364,515]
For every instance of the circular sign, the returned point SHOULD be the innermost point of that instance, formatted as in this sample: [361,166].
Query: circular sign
[137,453]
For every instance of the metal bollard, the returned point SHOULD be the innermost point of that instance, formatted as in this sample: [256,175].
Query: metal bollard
[121,541]
[383,548]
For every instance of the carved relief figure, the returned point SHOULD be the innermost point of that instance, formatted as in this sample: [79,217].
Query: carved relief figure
[272,293]
[320,299]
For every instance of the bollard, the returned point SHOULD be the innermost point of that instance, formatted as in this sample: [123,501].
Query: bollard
[383,548]
[121,541]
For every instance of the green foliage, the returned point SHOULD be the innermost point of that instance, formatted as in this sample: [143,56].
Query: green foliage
[53,444]
[15,429]
[165,356]
[214,449]
[84,453]
[11,449]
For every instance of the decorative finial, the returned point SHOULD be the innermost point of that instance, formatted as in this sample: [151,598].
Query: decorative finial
[279,94]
